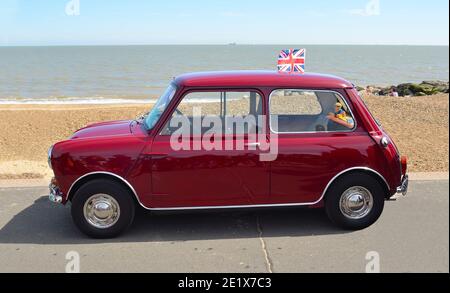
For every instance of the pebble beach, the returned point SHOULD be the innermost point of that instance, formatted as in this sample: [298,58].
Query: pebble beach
[419,126]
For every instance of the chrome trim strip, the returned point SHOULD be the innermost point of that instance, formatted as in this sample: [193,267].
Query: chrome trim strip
[235,206]
[312,132]
[353,169]
[110,174]
[229,207]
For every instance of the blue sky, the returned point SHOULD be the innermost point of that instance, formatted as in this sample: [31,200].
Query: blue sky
[102,22]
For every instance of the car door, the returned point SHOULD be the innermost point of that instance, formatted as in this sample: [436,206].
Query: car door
[311,151]
[197,167]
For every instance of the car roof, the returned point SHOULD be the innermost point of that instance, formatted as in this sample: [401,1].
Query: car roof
[261,78]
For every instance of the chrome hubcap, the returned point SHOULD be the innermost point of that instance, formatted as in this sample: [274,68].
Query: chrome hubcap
[356,202]
[101,211]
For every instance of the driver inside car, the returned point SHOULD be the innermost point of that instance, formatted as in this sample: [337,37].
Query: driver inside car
[340,117]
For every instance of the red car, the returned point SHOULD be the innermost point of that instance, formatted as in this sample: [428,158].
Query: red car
[297,140]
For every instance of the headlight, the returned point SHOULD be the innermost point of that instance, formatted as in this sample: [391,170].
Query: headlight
[49,157]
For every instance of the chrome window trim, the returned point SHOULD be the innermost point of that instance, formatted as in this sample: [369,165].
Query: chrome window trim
[234,206]
[311,132]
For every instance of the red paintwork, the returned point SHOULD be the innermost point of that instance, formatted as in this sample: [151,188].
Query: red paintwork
[261,79]
[105,129]
[163,178]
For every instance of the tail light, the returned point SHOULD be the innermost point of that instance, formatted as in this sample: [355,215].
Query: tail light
[404,164]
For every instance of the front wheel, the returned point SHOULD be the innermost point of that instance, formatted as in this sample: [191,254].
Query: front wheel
[355,201]
[102,208]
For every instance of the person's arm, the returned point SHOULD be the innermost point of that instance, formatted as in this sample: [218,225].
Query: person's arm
[333,118]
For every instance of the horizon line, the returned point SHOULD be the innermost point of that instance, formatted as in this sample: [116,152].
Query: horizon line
[220,44]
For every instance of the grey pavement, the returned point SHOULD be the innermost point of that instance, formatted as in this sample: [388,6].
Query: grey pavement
[412,235]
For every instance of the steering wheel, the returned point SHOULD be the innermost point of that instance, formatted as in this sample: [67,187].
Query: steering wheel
[323,121]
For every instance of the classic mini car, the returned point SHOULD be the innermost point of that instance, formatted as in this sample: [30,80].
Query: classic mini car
[306,140]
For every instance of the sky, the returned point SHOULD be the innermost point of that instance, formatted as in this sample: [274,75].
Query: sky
[127,22]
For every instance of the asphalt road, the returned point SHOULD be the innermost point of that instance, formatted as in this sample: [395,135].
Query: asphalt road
[411,236]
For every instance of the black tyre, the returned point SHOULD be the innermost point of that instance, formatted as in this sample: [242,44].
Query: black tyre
[102,208]
[355,201]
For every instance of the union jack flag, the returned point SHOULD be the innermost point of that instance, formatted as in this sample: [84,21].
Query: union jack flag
[292,61]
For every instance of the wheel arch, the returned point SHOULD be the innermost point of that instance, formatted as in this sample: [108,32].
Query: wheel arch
[361,170]
[101,175]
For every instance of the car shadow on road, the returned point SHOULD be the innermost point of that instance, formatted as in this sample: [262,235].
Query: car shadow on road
[46,223]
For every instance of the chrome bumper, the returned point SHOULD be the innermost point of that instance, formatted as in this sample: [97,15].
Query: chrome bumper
[55,195]
[403,189]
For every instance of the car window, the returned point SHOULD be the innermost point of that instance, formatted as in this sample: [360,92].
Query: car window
[218,112]
[160,106]
[298,111]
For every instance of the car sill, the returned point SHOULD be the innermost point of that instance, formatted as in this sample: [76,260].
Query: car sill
[233,206]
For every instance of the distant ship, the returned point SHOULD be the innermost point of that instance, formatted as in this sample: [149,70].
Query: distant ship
[232,44]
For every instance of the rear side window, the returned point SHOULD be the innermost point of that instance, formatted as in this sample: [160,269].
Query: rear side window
[299,111]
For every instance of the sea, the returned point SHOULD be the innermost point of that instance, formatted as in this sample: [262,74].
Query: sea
[139,74]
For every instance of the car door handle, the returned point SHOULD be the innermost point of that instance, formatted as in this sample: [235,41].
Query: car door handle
[253,144]
[156,156]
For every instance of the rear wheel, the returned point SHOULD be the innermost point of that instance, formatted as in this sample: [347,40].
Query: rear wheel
[355,201]
[102,208]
